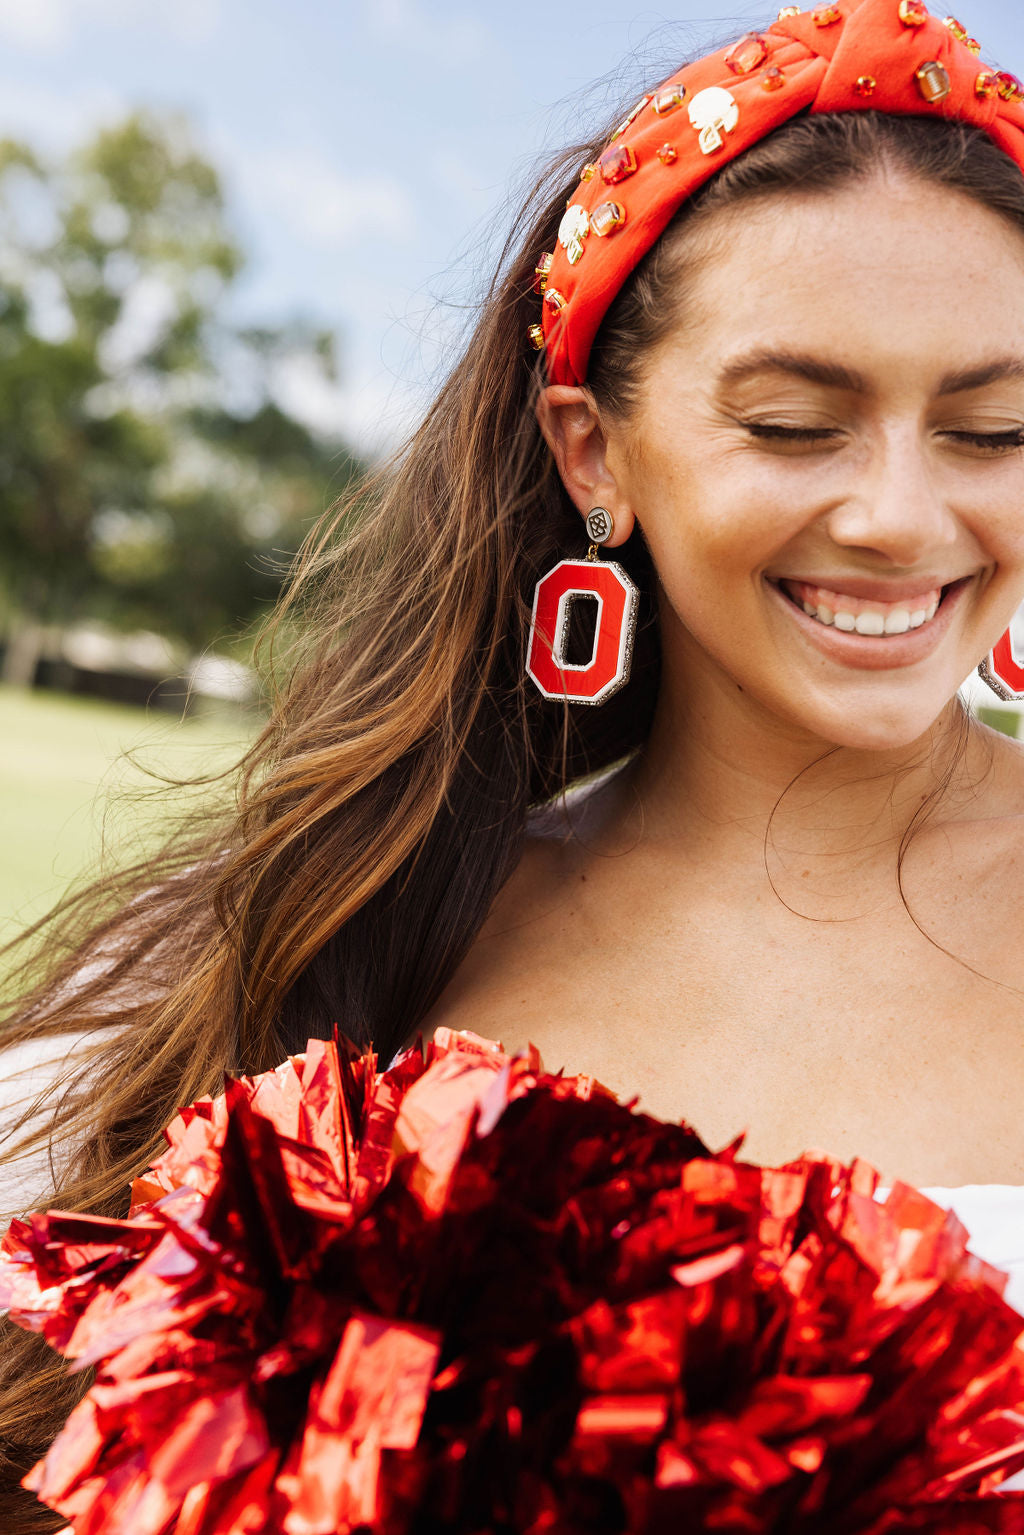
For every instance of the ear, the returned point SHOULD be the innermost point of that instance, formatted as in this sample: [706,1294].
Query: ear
[578,440]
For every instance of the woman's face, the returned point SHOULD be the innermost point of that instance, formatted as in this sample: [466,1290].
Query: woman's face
[837,424]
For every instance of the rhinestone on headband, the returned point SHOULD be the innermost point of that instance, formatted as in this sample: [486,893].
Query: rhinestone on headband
[643,102]
[748,54]
[617,163]
[606,219]
[668,98]
[933,81]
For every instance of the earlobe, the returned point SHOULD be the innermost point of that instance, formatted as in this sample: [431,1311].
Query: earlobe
[577,437]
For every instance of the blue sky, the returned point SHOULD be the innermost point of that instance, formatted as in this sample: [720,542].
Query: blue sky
[367,146]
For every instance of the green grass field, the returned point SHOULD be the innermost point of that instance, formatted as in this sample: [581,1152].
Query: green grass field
[66,791]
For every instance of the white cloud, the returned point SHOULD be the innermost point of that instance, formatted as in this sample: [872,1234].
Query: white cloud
[371,412]
[41,24]
[328,209]
[54,119]
[52,25]
[457,41]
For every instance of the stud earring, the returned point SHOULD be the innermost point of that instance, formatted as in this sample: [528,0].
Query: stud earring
[604,583]
[1002,670]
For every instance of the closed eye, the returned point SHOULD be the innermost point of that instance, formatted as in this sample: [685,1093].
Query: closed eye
[990,442]
[775,431]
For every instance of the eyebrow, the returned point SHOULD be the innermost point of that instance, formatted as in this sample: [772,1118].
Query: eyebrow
[833,375]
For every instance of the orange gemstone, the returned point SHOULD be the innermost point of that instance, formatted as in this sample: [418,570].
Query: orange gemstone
[1008,86]
[588,172]
[540,272]
[554,301]
[535,335]
[933,81]
[867,85]
[973,44]
[826,15]
[668,154]
[773,79]
[748,54]
[913,13]
[606,218]
[668,98]
[957,28]
[985,85]
[617,163]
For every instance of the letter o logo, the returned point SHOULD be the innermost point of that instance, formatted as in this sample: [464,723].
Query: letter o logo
[1002,670]
[595,680]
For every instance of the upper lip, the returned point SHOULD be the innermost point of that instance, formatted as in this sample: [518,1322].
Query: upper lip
[873,590]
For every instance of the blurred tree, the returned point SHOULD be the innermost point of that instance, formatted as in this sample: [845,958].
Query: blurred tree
[129,489]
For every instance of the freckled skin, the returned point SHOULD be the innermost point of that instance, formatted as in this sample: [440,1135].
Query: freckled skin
[720,926]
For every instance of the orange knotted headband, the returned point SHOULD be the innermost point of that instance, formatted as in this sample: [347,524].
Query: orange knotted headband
[846,56]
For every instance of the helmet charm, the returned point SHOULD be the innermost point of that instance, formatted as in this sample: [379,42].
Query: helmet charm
[714,113]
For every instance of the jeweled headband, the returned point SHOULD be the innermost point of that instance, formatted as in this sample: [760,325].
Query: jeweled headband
[847,56]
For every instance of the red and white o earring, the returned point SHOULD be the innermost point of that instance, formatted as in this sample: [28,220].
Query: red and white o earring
[595,680]
[1003,672]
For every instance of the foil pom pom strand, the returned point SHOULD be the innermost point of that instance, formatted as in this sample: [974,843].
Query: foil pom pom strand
[462,1295]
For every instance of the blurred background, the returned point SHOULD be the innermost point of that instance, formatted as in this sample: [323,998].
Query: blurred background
[239,243]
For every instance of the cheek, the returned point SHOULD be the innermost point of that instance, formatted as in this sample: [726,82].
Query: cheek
[990,506]
[724,522]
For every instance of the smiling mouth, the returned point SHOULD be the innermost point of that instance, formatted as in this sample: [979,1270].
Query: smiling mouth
[862,615]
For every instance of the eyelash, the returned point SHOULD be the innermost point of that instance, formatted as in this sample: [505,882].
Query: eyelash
[790,433]
[990,442]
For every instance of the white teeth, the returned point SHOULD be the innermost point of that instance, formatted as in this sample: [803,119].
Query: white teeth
[871,623]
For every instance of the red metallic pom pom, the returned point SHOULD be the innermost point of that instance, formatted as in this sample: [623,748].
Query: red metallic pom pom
[463,1296]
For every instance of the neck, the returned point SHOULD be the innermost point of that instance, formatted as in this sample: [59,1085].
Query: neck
[723,777]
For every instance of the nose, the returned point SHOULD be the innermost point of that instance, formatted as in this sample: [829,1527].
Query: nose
[898,511]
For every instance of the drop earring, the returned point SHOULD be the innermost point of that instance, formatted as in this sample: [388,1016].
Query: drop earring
[607,670]
[1002,670]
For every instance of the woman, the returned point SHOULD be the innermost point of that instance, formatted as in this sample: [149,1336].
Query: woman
[786,898]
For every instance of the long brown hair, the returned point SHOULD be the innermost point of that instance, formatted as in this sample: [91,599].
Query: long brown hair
[386,800]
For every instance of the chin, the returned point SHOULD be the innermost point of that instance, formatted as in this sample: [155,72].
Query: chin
[878,724]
